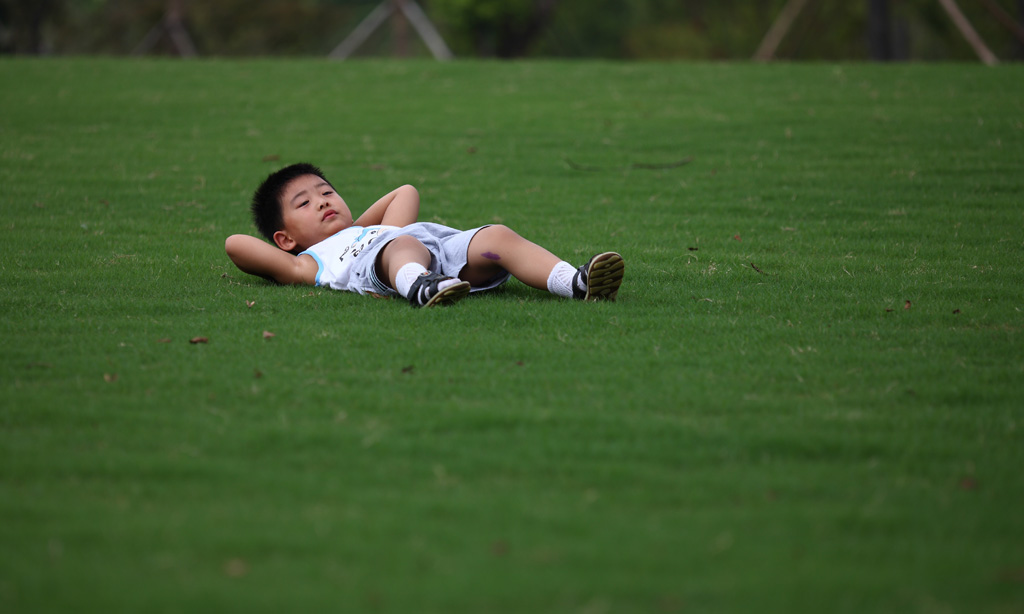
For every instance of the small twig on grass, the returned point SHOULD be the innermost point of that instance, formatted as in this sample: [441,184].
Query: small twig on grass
[754,266]
[634,165]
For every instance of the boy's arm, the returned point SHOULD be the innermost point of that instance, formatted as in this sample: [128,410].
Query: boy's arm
[399,207]
[257,257]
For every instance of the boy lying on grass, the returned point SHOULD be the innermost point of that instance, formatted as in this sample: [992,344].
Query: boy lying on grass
[386,251]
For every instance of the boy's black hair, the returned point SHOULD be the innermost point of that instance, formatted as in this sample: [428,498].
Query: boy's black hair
[266,202]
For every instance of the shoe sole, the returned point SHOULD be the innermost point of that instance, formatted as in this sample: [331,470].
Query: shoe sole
[449,295]
[604,276]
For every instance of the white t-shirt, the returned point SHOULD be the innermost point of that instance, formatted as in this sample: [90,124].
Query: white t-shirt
[334,256]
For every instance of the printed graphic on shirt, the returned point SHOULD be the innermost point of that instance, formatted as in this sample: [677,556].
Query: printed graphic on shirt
[361,243]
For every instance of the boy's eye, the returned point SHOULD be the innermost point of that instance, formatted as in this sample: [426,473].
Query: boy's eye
[304,203]
[328,193]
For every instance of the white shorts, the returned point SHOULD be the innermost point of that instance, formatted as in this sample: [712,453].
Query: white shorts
[449,253]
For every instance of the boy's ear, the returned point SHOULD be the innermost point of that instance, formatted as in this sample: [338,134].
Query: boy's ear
[284,241]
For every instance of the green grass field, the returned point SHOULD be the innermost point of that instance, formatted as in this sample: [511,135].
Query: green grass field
[808,397]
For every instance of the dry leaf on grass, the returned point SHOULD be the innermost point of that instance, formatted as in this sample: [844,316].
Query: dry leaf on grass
[236,568]
[969,484]
[499,548]
[195,340]
[1012,575]
[267,334]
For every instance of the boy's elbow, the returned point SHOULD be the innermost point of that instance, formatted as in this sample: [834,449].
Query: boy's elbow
[234,245]
[411,195]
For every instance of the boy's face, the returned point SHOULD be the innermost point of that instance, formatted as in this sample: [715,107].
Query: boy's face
[312,211]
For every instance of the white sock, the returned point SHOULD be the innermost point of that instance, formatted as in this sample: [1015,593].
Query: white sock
[560,279]
[406,276]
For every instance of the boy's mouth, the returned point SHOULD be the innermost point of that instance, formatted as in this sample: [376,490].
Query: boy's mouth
[328,214]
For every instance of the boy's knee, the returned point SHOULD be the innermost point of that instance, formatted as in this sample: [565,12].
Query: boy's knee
[404,248]
[405,242]
[501,231]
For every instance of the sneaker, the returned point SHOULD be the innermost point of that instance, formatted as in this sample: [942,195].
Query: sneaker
[424,292]
[599,279]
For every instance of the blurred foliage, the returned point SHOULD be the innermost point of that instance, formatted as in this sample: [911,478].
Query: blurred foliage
[217,27]
[630,29]
[23,24]
[733,29]
[503,28]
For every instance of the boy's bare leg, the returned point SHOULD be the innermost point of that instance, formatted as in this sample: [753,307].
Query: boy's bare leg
[496,249]
[404,262]
[399,252]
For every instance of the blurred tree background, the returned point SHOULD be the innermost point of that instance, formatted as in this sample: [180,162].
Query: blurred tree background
[622,29]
